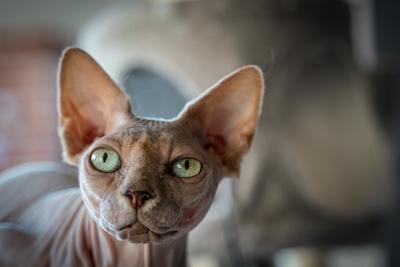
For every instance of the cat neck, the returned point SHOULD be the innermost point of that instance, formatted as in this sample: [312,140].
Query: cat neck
[167,254]
[170,253]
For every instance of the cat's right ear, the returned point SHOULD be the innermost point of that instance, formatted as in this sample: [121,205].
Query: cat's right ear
[225,116]
[90,104]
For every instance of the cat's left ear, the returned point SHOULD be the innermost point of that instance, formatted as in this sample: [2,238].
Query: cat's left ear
[225,117]
[90,104]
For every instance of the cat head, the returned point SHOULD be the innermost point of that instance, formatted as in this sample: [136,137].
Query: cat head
[151,180]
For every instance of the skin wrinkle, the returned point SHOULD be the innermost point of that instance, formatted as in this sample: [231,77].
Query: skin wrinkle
[139,168]
[83,227]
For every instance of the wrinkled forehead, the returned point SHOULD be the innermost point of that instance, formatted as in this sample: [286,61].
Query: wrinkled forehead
[152,139]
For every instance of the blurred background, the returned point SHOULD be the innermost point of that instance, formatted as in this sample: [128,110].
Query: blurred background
[320,186]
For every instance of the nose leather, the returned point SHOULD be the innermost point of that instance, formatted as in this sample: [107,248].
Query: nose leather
[138,198]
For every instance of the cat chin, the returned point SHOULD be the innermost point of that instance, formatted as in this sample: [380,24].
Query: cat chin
[147,237]
[144,236]
[159,238]
[140,238]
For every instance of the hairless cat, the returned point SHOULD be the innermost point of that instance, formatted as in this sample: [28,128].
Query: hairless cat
[143,183]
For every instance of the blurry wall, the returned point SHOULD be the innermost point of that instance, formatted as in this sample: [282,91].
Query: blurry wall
[63,17]
[27,99]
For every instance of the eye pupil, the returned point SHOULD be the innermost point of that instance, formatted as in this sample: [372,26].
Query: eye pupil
[185,167]
[105,160]
[105,156]
[187,164]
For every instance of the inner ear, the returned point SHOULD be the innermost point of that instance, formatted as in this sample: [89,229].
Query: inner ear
[225,117]
[90,103]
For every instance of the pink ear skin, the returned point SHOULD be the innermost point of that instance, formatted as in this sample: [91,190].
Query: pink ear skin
[225,116]
[90,103]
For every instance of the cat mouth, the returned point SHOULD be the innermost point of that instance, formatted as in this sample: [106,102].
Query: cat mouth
[138,233]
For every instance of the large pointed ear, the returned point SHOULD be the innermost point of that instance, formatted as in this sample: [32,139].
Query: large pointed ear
[225,117]
[90,104]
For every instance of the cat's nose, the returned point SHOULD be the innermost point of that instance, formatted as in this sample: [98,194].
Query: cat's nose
[138,198]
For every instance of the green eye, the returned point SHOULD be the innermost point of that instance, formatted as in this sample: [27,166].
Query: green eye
[186,167]
[105,160]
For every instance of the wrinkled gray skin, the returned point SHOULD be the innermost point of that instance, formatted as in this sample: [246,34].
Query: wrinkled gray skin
[48,221]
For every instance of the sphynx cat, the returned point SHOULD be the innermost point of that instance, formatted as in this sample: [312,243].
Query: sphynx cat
[143,183]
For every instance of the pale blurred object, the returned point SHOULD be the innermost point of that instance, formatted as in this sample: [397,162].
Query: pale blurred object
[205,260]
[363,256]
